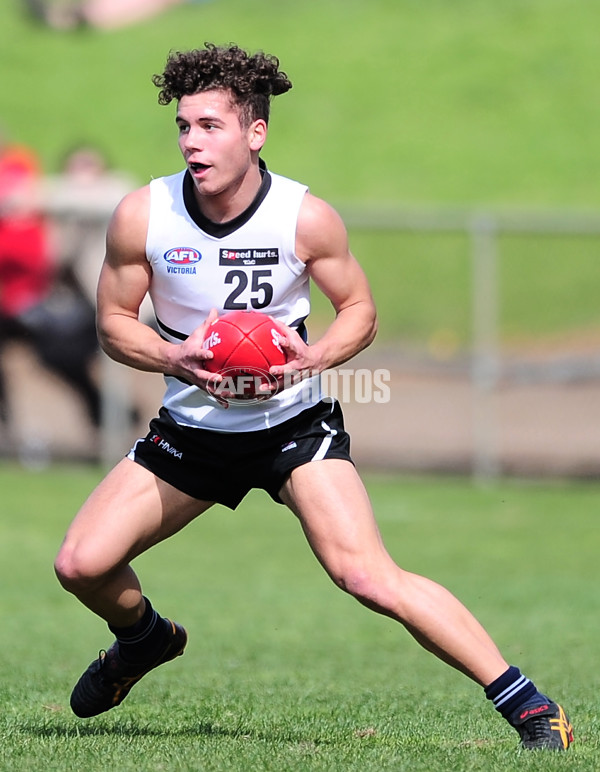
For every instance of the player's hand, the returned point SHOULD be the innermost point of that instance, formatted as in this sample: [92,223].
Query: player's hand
[187,360]
[301,362]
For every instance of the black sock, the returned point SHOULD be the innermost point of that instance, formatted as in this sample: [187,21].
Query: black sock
[143,641]
[512,690]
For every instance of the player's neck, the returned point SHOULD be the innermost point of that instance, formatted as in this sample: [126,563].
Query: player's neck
[230,203]
[228,225]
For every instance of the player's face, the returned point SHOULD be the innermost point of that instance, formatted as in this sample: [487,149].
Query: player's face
[217,149]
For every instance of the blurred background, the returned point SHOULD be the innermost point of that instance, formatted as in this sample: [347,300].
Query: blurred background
[461,143]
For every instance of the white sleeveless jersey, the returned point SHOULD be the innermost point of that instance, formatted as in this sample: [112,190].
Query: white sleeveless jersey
[248,263]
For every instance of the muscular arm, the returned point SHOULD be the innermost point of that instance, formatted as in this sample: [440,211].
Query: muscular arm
[322,244]
[124,281]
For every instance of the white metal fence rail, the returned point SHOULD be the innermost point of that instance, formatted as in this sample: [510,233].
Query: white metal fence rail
[486,368]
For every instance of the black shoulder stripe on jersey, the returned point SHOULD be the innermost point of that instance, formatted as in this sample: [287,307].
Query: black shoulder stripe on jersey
[169,331]
[300,328]
[179,378]
[298,325]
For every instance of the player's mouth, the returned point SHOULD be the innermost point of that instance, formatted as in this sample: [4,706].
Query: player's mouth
[198,169]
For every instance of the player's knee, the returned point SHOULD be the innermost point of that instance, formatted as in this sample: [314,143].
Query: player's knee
[74,573]
[356,582]
[367,587]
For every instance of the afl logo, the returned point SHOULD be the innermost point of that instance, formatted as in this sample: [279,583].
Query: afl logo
[183,256]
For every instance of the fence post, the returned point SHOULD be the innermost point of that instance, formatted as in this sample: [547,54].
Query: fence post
[116,410]
[485,361]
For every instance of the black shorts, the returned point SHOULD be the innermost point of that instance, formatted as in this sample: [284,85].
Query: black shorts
[224,466]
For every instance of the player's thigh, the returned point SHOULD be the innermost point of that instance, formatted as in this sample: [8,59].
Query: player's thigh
[128,512]
[334,509]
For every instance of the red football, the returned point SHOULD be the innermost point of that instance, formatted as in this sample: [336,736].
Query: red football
[245,344]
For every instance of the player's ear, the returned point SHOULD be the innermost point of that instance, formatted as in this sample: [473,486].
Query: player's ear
[257,134]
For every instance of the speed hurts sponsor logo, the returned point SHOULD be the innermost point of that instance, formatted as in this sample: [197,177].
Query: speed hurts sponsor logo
[249,256]
[182,260]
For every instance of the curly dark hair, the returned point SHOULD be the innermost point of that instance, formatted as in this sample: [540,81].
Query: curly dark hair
[252,80]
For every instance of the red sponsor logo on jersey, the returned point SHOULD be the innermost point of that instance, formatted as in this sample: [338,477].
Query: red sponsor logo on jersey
[183,256]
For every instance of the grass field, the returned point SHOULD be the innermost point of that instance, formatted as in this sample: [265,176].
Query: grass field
[469,103]
[283,671]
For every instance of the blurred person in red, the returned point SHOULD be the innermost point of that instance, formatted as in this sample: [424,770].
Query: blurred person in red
[35,307]
[26,266]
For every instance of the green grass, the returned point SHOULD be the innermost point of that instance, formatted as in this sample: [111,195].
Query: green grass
[462,102]
[283,671]
[468,103]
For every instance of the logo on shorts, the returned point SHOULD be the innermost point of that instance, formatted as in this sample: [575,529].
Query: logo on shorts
[157,440]
[289,446]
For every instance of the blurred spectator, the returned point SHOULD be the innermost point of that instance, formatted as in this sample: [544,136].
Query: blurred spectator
[25,261]
[26,270]
[82,197]
[39,304]
[103,14]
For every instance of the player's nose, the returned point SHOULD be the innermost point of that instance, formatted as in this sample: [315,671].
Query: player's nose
[192,139]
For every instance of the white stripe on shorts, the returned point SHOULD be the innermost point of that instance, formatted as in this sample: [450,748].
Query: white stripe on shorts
[131,453]
[324,447]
